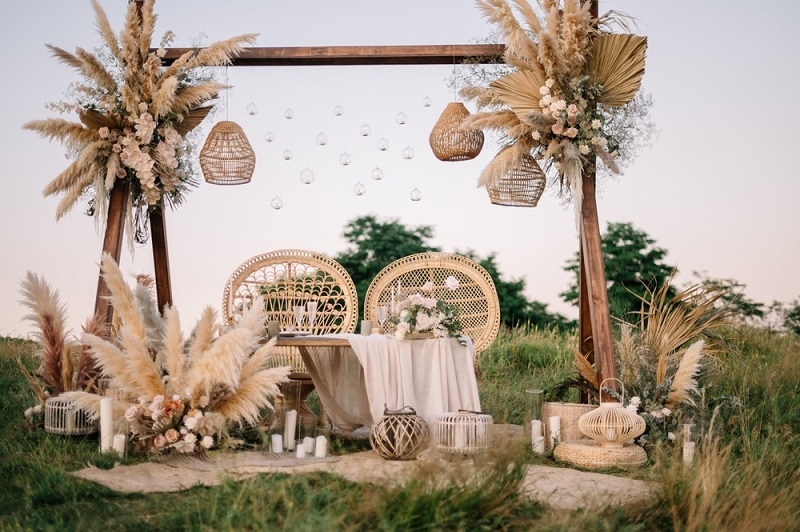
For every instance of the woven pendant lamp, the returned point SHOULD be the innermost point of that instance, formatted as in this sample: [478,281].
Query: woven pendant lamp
[521,186]
[451,143]
[227,157]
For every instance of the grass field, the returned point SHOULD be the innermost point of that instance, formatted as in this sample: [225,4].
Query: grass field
[746,476]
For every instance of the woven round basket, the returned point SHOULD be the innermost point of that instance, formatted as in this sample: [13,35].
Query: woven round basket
[62,417]
[462,432]
[569,413]
[451,143]
[590,455]
[399,434]
[521,186]
[227,157]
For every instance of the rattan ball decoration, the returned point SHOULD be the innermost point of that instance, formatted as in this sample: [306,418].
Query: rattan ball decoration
[611,425]
[61,416]
[399,434]
[463,432]
[451,143]
[521,186]
[227,157]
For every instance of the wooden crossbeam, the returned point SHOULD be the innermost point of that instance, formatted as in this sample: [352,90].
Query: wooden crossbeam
[445,54]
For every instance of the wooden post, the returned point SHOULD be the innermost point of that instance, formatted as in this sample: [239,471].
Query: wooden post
[158,238]
[585,344]
[112,244]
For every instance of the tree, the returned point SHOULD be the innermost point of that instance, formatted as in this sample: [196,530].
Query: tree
[515,309]
[791,318]
[733,297]
[375,244]
[633,265]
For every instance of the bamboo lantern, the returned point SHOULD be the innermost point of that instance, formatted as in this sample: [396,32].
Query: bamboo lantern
[611,425]
[399,434]
[521,186]
[227,157]
[61,416]
[462,433]
[451,143]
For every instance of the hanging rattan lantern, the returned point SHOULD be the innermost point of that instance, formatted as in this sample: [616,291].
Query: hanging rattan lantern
[227,157]
[611,425]
[451,143]
[521,186]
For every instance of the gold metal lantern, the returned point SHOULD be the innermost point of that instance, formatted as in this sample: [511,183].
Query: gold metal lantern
[451,143]
[611,425]
[227,157]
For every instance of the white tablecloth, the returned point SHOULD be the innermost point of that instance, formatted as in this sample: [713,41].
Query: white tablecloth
[355,384]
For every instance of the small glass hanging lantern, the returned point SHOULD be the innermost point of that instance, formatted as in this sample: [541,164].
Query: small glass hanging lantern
[338,111]
[377,173]
[611,424]
[383,144]
[408,153]
[451,143]
[400,118]
[227,157]
[426,101]
[307,176]
[288,114]
[416,194]
[365,130]
[268,136]
[322,139]
[344,159]
[287,154]
[252,109]
[276,203]
[359,189]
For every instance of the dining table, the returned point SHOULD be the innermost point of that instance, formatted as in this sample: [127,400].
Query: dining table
[359,377]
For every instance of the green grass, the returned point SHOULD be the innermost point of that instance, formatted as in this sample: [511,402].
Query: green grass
[746,476]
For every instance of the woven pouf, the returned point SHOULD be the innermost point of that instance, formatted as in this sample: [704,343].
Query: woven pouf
[590,455]
[462,433]
[62,417]
[399,435]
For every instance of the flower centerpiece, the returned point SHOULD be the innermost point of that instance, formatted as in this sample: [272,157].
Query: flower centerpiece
[421,313]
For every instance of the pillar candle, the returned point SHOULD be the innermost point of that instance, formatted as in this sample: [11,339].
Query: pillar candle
[536,429]
[538,445]
[277,443]
[119,444]
[289,429]
[555,429]
[688,452]
[301,450]
[106,424]
[321,448]
[309,444]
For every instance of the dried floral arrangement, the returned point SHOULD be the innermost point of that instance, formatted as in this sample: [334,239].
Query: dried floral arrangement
[176,394]
[134,115]
[661,358]
[571,77]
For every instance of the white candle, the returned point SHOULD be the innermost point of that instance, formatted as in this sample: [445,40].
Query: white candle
[321,448]
[289,429]
[309,444]
[555,429]
[301,450]
[119,444]
[538,445]
[106,424]
[277,443]
[536,429]
[392,304]
[688,452]
[611,434]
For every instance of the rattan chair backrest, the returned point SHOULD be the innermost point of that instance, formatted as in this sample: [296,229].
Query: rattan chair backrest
[476,296]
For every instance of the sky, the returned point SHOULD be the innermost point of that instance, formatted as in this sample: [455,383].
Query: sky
[718,189]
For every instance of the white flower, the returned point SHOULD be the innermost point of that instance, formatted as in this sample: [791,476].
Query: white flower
[130,413]
[190,438]
[557,128]
[423,321]
[584,149]
[633,408]
[571,133]
[161,52]
[671,436]
[207,442]
[415,299]
[596,124]
[29,412]
[636,400]
[37,409]
[451,283]
[666,411]
[536,136]
[544,90]
[103,132]
[572,110]
[428,286]
[402,329]
[657,414]
[544,103]
[429,302]
[549,83]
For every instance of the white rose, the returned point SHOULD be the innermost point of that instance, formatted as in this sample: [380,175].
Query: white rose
[549,83]
[544,90]
[666,411]
[207,442]
[429,303]
[423,321]
[451,282]
[596,124]
[427,287]
[415,299]
[584,149]
[572,133]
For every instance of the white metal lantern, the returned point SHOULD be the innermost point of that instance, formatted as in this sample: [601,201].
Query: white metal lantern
[462,432]
[611,424]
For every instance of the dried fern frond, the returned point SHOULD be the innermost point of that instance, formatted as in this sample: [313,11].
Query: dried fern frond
[74,193]
[221,52]
[585,369]
[94,69]
[69,133]
[617,65]
[105,31]
[684,384]
[191,97]
[497,120]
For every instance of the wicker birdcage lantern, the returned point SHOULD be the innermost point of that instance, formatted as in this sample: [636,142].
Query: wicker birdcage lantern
[611,424]
[227,157]
[521,186]
[451,143]
[399,434]
[462,432]
[61,416]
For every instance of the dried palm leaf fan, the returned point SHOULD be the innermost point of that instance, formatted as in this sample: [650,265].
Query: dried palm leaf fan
[227,157]
[451,143]
[617,64]
[521,185]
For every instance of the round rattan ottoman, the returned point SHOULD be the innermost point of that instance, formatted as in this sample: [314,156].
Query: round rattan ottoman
[590,455]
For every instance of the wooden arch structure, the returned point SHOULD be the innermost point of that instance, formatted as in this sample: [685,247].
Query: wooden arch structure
[594,321]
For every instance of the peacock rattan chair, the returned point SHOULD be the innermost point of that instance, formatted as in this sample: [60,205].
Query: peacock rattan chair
[476,296]
[288,277]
